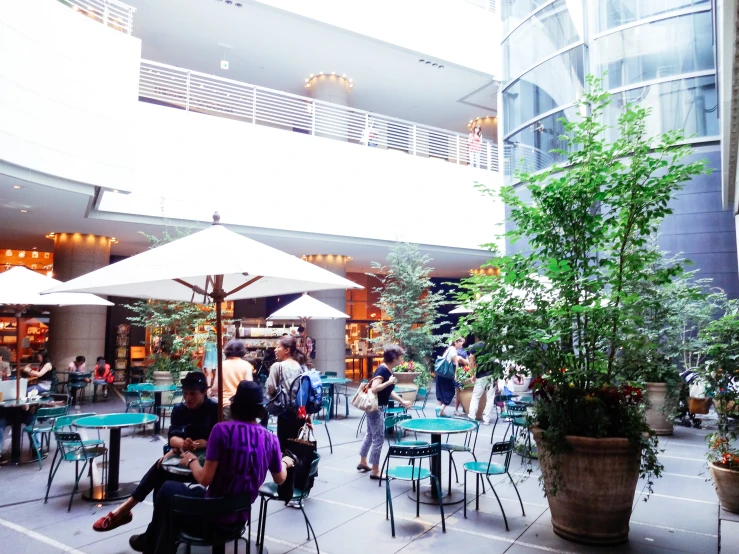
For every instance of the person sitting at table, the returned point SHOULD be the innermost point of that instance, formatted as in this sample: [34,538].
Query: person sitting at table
[240,453]
[77,366]
[43,384]
[235,369]
[102,375]
[191,425]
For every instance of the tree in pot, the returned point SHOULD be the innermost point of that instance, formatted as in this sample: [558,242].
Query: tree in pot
[562,308]
[410,307]
[721,375]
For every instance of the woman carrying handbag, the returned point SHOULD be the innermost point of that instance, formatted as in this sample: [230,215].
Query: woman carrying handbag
[382,385]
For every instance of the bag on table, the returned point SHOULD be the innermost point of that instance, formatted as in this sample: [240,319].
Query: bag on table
[364,399]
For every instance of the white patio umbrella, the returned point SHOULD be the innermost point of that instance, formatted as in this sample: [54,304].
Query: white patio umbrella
[306,307]
[21,287]
[215,265]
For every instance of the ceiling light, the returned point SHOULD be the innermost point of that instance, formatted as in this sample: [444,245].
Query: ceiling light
[441,67]
[421,60]
[24,211]
[17,186]
[238,5]
[347,81]
[113,240]
[51,235]
[427,62]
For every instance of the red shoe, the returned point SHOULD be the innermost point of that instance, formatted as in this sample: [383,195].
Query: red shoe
[111,521]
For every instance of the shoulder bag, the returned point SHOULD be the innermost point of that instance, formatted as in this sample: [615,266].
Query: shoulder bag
[278,404]
[364,399]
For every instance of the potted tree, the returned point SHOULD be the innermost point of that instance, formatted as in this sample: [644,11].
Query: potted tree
[410,311]
[721,375]
[562,308]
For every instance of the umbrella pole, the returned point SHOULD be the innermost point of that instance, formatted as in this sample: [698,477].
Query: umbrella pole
[18,314]
[219,340]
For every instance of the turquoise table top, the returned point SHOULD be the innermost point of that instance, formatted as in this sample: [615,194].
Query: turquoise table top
[335,380]
[149,387]
[107,421]
[437,425]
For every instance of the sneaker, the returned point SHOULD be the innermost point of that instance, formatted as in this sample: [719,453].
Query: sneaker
[137,542]
[486,422]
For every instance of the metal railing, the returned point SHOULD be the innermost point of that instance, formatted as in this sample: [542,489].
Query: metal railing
[488,5]
[209,94]
[110,13]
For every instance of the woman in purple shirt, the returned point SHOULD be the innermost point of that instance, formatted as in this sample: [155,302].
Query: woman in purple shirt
[239,455]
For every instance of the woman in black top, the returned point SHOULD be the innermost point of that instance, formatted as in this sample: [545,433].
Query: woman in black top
[383,383]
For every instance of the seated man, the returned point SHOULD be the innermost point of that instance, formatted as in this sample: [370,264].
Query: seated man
[191,424]
[240,453]
[79,365]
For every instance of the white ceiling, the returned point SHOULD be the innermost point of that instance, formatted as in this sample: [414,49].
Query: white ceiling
[52,209]
[277,49]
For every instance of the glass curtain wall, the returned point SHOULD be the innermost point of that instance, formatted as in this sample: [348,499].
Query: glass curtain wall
[658,53]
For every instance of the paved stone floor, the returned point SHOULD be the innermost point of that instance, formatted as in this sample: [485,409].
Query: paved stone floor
[348,514]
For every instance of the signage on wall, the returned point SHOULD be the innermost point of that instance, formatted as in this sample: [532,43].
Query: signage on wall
[28,259]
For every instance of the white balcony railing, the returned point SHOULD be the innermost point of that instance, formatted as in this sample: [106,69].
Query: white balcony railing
[110,13]
[209,94]
[488,5]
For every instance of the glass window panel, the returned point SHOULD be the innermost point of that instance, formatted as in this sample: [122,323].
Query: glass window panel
[614,13]
[512,12]
[550,30]
[554,83]
[689,104]
[653,50]
[530,148]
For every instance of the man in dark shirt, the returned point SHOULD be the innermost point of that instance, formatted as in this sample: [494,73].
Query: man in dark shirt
[190,426]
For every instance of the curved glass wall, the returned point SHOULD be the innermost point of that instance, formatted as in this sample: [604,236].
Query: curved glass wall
[614,13]
[514,11]
[556,82]
[688,104]
[548,31]
[654,50]
[530,148]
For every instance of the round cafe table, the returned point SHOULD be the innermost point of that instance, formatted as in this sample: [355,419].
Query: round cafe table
[330,382]
[436,427]
[157,390]
[113,490]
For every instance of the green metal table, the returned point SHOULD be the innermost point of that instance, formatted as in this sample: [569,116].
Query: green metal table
[15,408]
[114,490]
[331,381]
[436,427]
[157,390]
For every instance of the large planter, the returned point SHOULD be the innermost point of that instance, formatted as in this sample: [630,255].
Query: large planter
[521,387]
[406,377]
[726,483]
[596,488]
[657,394]
[465,397]
[163,378]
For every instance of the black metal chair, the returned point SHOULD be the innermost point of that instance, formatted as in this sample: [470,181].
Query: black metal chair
[206,532]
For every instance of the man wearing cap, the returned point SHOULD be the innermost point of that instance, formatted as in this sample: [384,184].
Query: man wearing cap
[190,426]
[240,453]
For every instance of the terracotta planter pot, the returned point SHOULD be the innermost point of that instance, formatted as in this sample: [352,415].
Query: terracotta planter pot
[465,397]
[406,377]
[596,491]
[163,378]
[657,393]
[726,483]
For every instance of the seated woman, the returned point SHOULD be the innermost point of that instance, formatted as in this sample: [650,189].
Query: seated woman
[190,429]
[240,453]
[42,374]
[102,375]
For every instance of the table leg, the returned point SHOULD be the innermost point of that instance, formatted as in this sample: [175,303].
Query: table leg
[15,449]
[436,466]
[114,460]
[157,403]
[429,495]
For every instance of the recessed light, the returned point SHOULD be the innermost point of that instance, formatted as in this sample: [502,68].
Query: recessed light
[441,67]
[17,186]
[421,60]
[24,211]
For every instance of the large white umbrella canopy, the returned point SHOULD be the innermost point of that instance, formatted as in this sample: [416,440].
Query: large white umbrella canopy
[21,287]
[307,307]
[214,264]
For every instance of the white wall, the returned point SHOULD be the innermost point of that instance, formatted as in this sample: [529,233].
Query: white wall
[189,165]
[68,88]
[451,30]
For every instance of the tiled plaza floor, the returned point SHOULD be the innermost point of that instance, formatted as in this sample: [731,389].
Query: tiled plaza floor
[348,513]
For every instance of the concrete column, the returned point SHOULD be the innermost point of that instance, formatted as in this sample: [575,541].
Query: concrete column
[330,334]
[331,122]
[78,330]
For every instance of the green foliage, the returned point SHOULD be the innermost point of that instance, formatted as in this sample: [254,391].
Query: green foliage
[721,376]
[409,304]
[569,306]
[173,325]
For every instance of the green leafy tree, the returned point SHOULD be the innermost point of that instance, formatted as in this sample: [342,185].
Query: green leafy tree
[409,304]
[566,306]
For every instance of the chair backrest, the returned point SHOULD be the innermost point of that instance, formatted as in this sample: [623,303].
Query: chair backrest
[414,451]
[468,436]
[68,441]
[64,423]
[331,373]
[48,413]
[312,473]
[130,396]
[218,506]
[517,409]
[503,448]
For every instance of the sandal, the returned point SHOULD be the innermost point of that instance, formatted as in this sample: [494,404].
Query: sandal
[375,477]
[360,467]
[111,521]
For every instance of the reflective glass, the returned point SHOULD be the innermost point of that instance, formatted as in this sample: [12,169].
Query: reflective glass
[554,83]
[512,12]
[614,13]
[689,104]
[653,50]
[551,29]
[530,148]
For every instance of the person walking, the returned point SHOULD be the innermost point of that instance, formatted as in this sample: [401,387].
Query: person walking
[483,380]
[474,142]
[445,388]
[382,383]
[288,367]
[235,369]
